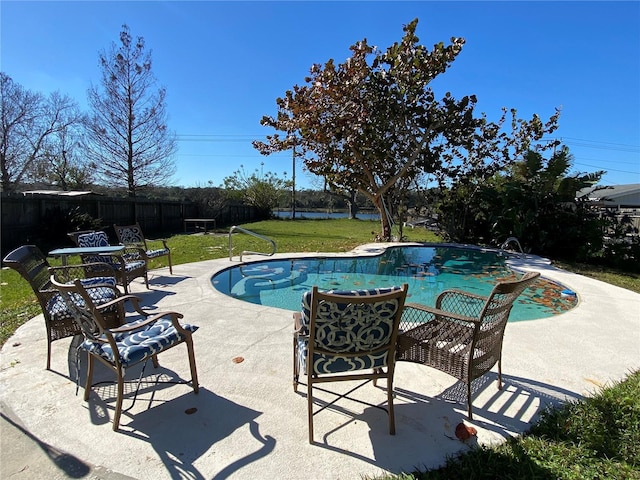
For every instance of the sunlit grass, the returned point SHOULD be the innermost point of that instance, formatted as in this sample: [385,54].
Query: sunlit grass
[19,304]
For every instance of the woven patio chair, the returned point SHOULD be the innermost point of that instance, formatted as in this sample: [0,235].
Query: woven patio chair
[132,343]
[462,336]
[33,266]
[128,265]
[348,335]
[132,236]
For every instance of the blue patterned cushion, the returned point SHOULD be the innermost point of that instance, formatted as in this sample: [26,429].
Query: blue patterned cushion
[96,239]
[93,239]
[157,253]
[339,329]
[130,266]
[58,310]
[90,282]
[306,301]
[136,346]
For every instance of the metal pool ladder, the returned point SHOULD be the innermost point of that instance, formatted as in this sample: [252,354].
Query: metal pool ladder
[510,240]
[253,234]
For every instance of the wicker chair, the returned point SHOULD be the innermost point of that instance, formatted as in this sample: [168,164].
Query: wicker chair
[129,265]
[132,343]
[462,335]
[32,265]
[348,336]
[132,236]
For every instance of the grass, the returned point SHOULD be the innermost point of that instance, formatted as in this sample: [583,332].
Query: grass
[19,304]
[598,437]
[594,438]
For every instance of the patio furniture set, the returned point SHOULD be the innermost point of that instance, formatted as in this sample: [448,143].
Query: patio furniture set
[339,335]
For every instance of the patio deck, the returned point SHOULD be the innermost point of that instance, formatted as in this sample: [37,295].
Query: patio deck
[248,421]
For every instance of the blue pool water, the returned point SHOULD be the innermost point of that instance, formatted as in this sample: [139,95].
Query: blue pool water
[427,269]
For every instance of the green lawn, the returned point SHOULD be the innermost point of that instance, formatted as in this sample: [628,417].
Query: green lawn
[597,438]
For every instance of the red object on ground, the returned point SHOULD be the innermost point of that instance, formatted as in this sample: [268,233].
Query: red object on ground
[464,432]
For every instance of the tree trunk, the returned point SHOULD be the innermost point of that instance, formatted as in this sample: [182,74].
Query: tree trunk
[386,224]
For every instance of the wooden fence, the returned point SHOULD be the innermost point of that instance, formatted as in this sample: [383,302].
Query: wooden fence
[44,220]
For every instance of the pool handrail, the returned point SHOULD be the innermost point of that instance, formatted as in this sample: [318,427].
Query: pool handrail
[253,234]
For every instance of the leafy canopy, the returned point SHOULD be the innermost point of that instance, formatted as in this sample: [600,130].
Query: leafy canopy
[373,123]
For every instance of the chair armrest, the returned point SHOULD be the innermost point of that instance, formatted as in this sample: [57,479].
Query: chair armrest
[132,252]
[152,319]
[460,302]
[297,321]
[135,302]
[426,314]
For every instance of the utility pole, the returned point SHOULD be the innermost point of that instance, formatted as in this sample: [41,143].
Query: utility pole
[293,186]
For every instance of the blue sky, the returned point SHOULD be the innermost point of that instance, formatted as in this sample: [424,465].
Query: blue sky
[225,63]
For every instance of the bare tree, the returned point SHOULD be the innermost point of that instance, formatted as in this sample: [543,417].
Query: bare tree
[62,163]
[127,135]
[29,121]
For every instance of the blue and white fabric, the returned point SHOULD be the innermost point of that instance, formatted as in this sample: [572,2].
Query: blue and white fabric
[347,328]
[139,345]
[97,289]
[100,239]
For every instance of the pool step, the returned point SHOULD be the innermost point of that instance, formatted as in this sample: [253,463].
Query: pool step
[252,284]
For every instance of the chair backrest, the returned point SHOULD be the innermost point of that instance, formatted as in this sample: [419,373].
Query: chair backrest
[495,307]
[503,295]
[93,239]
[485,339]
[352,330]
[83,309]
[130,235]
[74,235]
[31,263]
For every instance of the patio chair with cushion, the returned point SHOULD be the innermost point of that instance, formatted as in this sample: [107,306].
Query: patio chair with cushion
[348,335]
[130,344]
[33,266]
[132,236]
[128,265]
[462,336]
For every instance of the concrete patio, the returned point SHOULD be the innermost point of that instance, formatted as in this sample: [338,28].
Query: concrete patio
[247,422]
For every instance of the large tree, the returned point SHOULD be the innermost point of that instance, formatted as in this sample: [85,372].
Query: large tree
[375,125]
[128,138]
[30,123]
[258,189]
[62,163]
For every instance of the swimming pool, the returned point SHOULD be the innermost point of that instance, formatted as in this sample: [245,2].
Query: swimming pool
[427,269]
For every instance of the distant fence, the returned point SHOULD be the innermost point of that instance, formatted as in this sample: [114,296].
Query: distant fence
[43,219]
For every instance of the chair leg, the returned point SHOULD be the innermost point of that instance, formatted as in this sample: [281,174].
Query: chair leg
[392,417]
[310,407]
[500,373]
[49,352]
[154,360]
[470,413]
[118,412]
[170,264]
[192,365]
[125,283]
[296,374]
[87,384]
